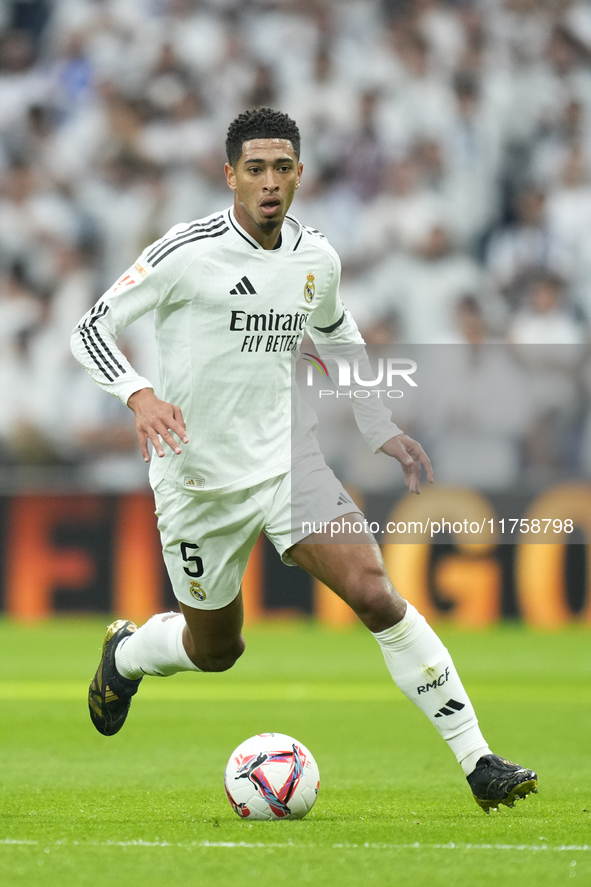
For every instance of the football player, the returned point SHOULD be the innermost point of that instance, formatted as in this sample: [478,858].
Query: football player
[236,453]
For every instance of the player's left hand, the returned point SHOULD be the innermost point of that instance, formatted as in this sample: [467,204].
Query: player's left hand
[411,456]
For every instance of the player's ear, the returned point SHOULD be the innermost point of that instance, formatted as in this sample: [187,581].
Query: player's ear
[230,176]
[300,171]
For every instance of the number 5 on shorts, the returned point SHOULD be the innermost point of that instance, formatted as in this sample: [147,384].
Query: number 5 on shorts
[194,558]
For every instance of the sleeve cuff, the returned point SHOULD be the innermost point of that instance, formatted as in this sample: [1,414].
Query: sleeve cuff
[124,389]
[379,440]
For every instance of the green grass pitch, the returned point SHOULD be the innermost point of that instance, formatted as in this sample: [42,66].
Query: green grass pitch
[147,806]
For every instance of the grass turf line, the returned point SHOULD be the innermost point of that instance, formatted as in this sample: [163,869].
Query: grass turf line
[388,781]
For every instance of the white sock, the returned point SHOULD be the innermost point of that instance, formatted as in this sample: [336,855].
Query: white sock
[423,669]
[156,649]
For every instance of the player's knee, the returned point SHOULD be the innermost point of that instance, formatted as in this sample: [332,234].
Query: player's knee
[374,600]
[222,659]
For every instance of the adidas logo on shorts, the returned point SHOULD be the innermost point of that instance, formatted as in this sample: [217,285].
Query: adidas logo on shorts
[195,483]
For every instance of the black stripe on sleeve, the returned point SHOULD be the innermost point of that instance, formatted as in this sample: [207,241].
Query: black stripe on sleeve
[94,338]
[96,312]
[99,310]
[196,228]
[92,334]
[90,351]
[106,348]
[314,231]
[333,327]
[174,246]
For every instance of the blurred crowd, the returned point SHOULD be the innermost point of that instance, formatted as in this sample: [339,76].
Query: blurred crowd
[447,155]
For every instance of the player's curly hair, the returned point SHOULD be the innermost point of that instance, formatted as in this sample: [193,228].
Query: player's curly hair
[260,123]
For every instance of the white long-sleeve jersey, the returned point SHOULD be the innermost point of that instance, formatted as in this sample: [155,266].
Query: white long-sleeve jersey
[229,319]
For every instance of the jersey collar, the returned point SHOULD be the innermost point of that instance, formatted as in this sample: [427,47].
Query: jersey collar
[289,238]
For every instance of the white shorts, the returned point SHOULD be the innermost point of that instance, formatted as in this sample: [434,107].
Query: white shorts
[207,537]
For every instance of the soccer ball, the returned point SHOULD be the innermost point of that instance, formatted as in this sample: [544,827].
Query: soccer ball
[271,776]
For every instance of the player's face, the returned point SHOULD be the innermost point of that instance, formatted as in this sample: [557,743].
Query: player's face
[264,180]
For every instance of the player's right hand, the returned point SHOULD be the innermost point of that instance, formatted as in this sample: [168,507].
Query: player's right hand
[156,419]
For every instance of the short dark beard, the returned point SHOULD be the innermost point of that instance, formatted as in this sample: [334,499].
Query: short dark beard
[269,225]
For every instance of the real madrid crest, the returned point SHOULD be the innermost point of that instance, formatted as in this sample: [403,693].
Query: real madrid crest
[309,288]
[197,592]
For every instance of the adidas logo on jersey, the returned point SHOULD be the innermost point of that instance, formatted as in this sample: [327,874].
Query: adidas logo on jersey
[450,708]
[243,287]
[344,500]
